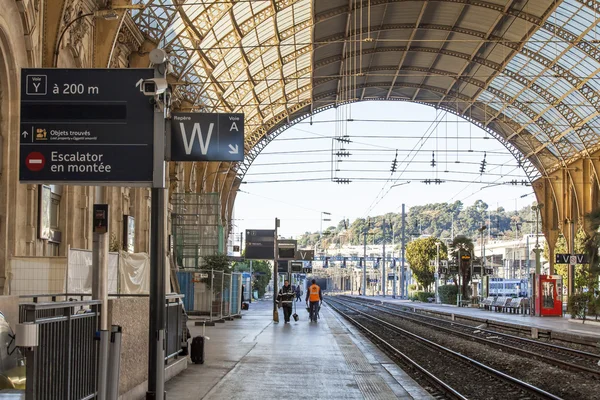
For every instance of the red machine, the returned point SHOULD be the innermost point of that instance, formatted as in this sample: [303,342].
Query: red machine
[548,295]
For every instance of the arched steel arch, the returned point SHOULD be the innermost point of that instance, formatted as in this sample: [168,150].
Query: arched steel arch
[242,168]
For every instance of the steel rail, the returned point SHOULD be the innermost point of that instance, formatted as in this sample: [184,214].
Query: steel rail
[446,388]
[551,347]
[587,354]
[524,386]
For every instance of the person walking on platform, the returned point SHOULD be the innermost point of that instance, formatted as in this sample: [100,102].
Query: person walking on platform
[285,298]
[315,296]
[298,293]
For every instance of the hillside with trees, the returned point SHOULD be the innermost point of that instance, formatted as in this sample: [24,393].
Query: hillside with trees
[435,219]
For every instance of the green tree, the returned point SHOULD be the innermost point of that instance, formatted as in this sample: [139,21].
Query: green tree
[581,270]
[592,245]
[217,262]
[418,254]
[262,272]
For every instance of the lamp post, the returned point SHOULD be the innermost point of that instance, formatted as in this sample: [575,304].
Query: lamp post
[437,268]
[538,265]
[482,254]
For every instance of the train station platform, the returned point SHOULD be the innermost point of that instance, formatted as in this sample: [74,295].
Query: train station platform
[556,327]
[254,358]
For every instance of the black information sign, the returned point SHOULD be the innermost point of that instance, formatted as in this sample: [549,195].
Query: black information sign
[207,137]
[260,244]
[282,267]
[296,266]
[571,259]
[286,249]
[306,255]
[100,218]
[86,126]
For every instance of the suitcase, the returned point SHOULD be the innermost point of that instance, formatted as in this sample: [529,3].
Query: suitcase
[197,350]
[245,306]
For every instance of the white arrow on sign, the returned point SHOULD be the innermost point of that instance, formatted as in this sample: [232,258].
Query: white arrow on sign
[25,133]
[233,149]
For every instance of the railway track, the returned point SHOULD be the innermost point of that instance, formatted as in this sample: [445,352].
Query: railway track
[564,357]
[454,375]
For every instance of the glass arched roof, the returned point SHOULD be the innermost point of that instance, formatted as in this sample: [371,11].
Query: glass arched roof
[527,71]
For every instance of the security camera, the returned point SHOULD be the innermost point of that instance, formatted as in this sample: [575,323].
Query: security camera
[153,87]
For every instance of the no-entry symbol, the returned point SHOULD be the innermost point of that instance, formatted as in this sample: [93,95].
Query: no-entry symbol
[35,161]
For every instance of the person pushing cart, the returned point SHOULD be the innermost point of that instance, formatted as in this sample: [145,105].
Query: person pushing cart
[315,296]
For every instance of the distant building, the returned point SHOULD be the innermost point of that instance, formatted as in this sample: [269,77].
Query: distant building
[512,259]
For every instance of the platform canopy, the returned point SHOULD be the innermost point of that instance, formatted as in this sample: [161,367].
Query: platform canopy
[526,71]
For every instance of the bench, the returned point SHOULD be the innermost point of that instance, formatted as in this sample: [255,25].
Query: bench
[514,305]
[464,303]
[487,302]
[500,303]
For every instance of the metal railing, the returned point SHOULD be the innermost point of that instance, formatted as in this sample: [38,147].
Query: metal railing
[176,329]
[210,294]
[63,365]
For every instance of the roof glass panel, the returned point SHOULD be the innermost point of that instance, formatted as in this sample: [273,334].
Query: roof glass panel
[571,58]
[538,40]
[513,88]
[233,34]
[558,88]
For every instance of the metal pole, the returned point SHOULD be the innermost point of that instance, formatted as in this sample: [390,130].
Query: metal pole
[222,294]
[402,279]
[394,289]
[383,275]
[364,280]
[437,268]
[528,264]
[156,377]
[100,292]
[212,293]
[251,289]
[571,273]
[538,263]
[156,340]
[275,267]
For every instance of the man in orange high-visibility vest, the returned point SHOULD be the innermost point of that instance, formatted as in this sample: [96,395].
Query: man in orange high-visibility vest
[315,296]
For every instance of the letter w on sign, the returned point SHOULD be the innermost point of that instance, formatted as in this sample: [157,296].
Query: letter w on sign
[196,132]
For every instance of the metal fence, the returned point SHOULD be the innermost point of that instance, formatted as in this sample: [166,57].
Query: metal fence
[211,294]
[176,330]
[63,365]
[226,297]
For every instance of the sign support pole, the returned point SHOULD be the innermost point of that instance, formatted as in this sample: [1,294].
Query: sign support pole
[100,292]
[383,274]
[364,280]
[156,342]
[571,273]
[402,278]
[251,279]
[275,268]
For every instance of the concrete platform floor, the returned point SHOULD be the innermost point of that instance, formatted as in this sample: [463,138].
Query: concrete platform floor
[253,358]
[556,324]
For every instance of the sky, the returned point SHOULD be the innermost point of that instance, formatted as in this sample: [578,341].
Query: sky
[292,178]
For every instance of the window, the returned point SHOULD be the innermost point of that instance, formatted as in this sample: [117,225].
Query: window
[53,249]
[54,211]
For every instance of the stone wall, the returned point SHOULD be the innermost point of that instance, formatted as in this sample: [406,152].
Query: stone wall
[132,315]
[9,306]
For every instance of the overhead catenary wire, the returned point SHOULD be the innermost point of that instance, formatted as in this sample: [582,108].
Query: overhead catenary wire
[449,172]
[422,142]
